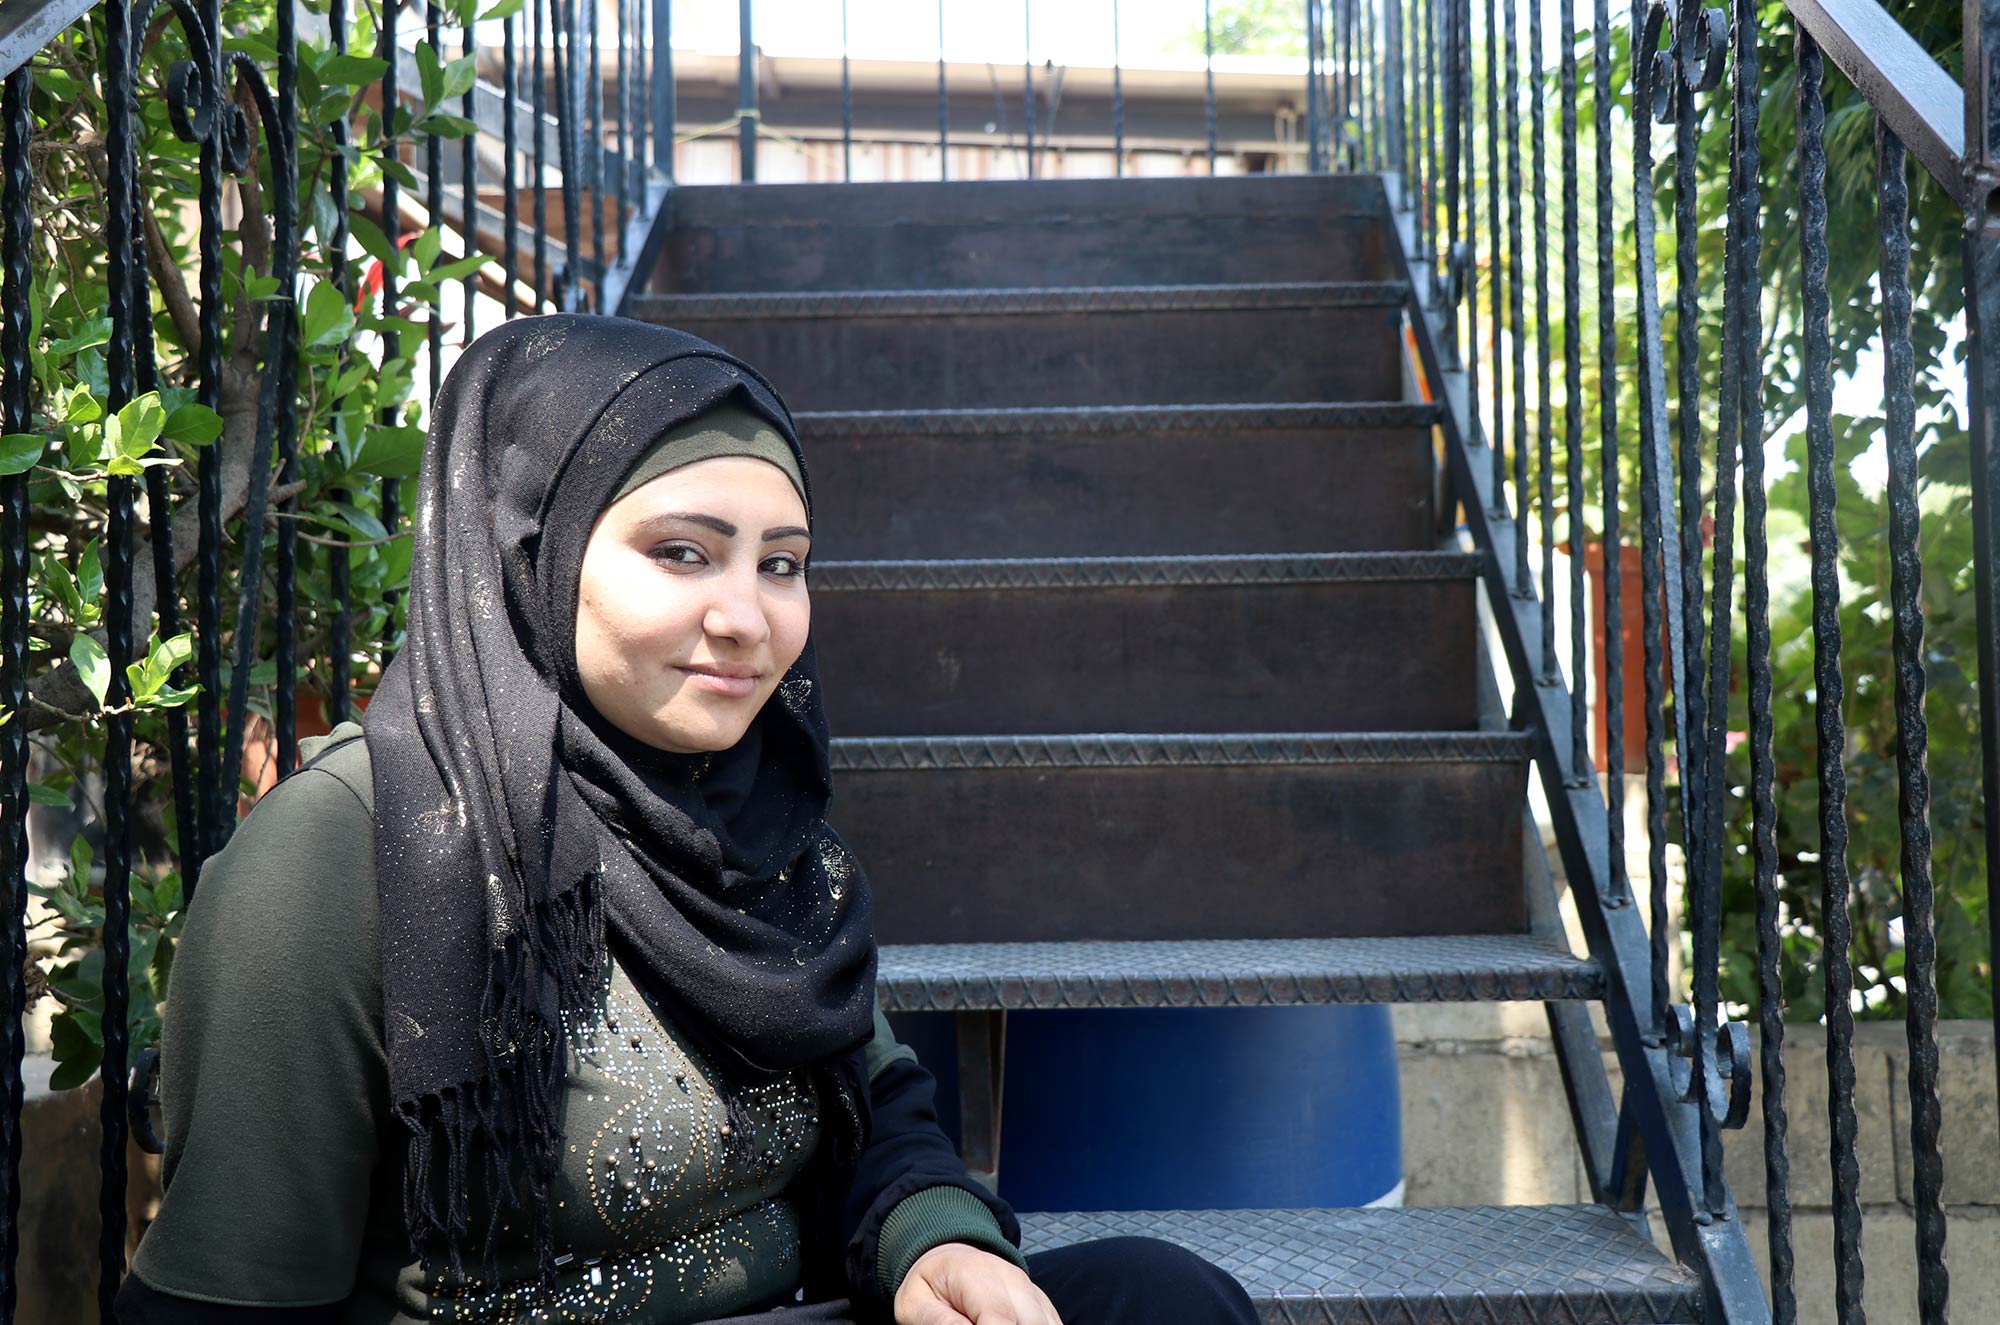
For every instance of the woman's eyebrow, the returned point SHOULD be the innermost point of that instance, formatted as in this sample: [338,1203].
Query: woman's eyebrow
[723,527]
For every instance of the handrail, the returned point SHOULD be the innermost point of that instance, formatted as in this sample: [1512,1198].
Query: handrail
[1900,80]
[26,27]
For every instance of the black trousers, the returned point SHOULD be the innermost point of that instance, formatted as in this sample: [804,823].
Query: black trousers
[1112,1281]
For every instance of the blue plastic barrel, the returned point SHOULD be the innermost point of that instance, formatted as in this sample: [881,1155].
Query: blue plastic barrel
[1189,1108]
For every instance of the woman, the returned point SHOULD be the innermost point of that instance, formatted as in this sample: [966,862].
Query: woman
[551,995]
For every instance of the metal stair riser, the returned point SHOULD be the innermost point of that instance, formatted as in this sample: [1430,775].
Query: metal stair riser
[1337,656]
[1141,357]
[1132,492]
[1097,232]
[994,855]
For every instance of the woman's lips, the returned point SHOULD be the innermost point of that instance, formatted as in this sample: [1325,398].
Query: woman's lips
[736,687]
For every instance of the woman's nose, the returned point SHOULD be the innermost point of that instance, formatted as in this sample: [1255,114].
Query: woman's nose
[737,610]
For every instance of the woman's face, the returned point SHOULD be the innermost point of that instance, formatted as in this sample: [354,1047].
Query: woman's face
[692,603]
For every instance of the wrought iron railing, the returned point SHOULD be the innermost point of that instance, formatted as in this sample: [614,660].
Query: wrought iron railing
[1404,90]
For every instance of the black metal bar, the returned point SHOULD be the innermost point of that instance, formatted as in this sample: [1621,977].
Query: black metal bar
[982,1059]
[1028,84]
[1836,930]
[569,122]
[339,646]
[212,810]
[15,405]
[628,91]
[1426,73]
[510,203]
[1517,315]
[645,93]
[538,199]
[468,172]
[1208,74]
[944,105]
[1689,700]
[1117,92]
[119,222]
[746,89]
[1573,407]
[1448,76]
[1499,286]
[594,111]
[392,341]
[1901,81]
[664,103]
[434,204]
[1906,570]
[1618,889]
[1313,138]
[846,103]
[1468,165]
[1981,264]
[1544,350]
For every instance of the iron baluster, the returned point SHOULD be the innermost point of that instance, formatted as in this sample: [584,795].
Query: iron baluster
[846,103]
[1498,289]
[665,106]
[1579,755]
[1517,314]
[434,203]
[1117,93]
[628,91]
[747,106]
[1313,162]
[1837,934]
[392,341]
[510,206]
[1544,352]
[1208,93]
[1619,886]
[1427,154]
[1689,701]
[1757,657]
[944,106]
[1453,252]
[17,126]
[1028,86]
[1468,247]
[594,117]
[339,645]
[212,810]
[119,220]
[1912,731]
[538,148]
[562,46]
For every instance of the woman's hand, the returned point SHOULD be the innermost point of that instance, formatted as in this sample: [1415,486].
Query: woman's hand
[955,1283]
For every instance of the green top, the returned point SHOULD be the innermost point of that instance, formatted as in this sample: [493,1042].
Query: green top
[283,1163]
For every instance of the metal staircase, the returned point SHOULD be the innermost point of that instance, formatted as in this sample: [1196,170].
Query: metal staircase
[1129,530]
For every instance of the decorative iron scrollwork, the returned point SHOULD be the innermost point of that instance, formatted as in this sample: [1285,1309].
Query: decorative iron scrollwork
[1725,1088]
[1457,265]
[1688,52]
[143,1098]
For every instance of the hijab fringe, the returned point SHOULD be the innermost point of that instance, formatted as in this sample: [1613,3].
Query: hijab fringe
[515,1110]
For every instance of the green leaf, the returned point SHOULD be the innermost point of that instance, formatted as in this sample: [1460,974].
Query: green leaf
[399,172]
[429,74]
[81,406]
[195,425]
[425,248]
[57,580]
[92,667]
[328,320]
[79,862]
[441,125]
[373,242]
[72,1073]
[451,271]
[41,793]
[139,424]
[501,9]
[458,77]
[20,450]
[95,332]
[352,70]
[391,452]
[89,573]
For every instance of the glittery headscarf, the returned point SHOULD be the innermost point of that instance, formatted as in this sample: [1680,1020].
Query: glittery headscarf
[520,836]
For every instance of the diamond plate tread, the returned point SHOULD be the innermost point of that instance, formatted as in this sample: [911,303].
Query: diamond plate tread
[1143,571]
[1236,973]
[1008,301]
[1122,750]
[1113,419]
[1489,1265]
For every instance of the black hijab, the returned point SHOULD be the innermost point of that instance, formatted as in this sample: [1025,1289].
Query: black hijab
[518,833]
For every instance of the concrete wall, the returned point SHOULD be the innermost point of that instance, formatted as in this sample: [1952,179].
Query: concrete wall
[1485,1122]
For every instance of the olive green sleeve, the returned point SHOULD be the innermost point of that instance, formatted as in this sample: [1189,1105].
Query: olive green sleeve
[931,1216]
[273,1072]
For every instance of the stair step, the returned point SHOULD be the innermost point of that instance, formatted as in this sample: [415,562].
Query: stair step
[1083,345]
[1203,478]
[1442,1265]
[999,839]
[1361,641]
[949,977]
[975,232]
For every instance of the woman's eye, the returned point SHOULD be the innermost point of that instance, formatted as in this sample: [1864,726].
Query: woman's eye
[678,554]
[784,564]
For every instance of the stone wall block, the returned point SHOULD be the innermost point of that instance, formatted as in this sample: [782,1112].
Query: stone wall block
[1971,1135]
[1809,1132]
